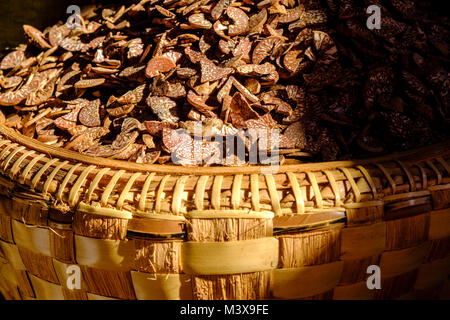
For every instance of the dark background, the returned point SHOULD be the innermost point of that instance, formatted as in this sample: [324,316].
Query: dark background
[38,13]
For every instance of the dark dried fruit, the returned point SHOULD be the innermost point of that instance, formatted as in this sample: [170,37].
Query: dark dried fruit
[296,133]
[309,76]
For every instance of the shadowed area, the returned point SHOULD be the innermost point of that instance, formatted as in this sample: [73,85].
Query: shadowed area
[40,14]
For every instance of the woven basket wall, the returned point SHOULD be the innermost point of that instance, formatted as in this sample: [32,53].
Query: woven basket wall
[165,232]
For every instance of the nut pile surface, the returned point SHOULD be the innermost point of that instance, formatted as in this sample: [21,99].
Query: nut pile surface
[308,73]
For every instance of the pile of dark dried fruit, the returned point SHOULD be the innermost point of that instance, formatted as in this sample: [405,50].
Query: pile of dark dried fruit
[121,84]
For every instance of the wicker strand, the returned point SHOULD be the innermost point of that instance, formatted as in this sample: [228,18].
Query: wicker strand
[273,192]
[178,195]
[144,191]
[39,174]
[160,193]
[73,195]
[8,159]
[410,177]
[254,187]
[127,189]
[200,189]
[95,183]
[424,176]
[16,166]
[30,165]
[299,201]
[110,187]
[57,234]
[3,142]
[315,186]
[388,177]
[216,192]
[236,191]
[63,185]
[444,164]
[353,184]
[7,149]
[369,180]
[52,176]
[435,170]
[334,187]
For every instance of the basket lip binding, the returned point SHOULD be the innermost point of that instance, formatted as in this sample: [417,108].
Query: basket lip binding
[424,153]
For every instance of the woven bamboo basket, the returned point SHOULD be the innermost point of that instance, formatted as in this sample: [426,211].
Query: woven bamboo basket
[308,231]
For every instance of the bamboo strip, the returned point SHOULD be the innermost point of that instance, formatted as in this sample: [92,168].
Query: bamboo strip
[6,162]
[74,192]
[435,170]
[65,181]
[32,238]
[160,194]
[110,187]
[255,192]
[314,280]
[362,242]
[144,192]
[161,287]
[52,176]
[178,195]
[24,175]
[231,257]
[46,290]
[439,224]
[216,191]
[95,182]
[236,192]
[16,166]
[104,254]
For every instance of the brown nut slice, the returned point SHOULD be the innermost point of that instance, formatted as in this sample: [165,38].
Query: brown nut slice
[198,20]
[161,107]
[90,115]
[199,102]
[219,8]
[12,60]
[89,83]
[133,96]
[155,128]
[159,64]
[292,15]
[36,37]
[240,21]
[240,111]
[263,49]
[211,72]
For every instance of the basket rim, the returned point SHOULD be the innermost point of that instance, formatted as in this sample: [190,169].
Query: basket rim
[422,153]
